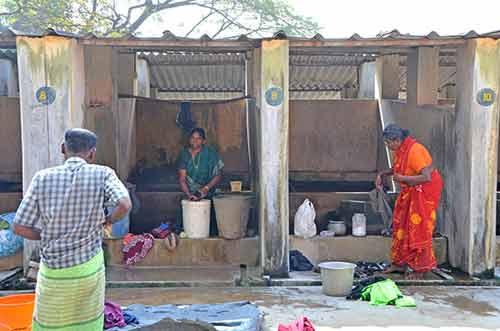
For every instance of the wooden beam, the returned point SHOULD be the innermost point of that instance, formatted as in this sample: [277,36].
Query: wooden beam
[273,160]
[471,159]
[242,45]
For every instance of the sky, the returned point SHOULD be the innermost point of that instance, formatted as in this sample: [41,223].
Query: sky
[342,18]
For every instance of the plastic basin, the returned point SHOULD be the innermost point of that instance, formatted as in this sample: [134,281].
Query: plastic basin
[16,311]
[337,277]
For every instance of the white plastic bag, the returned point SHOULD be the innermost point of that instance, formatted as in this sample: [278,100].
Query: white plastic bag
[304,225]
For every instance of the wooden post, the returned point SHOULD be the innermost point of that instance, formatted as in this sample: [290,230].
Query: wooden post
[143,85]
[366,81]
[273,160]
[471,159]
[51,84]
[423,76]
[387,69]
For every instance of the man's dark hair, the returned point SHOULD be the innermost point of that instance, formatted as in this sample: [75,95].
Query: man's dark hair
[79,140]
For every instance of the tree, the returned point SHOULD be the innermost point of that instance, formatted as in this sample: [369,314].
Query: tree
[223,18]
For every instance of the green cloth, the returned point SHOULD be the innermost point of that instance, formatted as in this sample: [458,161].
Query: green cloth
[70,299]
[405,301]
[386,292]
[201,169]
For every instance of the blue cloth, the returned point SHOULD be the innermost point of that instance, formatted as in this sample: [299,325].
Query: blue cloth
[233,316]
[10,243]
[130,319]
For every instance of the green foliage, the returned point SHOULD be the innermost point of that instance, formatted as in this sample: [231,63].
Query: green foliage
[105,17]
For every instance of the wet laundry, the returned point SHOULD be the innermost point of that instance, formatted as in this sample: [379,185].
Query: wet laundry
[362,284]
[298,262]
[113,315]
[137,247]
[367,269]
[162,231]
[302,324]
[386,292]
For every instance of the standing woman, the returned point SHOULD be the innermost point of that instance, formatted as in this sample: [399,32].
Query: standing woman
[200,170]
[414,217]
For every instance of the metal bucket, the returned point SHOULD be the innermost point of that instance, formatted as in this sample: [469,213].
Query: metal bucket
[232,211]
[337,278]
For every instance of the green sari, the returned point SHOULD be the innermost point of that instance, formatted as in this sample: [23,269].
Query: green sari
[201,169]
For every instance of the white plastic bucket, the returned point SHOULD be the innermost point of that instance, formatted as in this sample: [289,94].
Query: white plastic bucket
[337,278]
[196,218]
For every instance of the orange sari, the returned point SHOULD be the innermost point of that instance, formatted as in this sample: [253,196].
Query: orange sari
[414,215]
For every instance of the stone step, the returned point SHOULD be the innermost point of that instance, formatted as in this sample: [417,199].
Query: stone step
[192,252]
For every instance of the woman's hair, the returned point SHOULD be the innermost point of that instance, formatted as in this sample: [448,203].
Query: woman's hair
[200,131]
[393,131]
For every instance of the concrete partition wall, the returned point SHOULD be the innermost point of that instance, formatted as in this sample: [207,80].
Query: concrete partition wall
[52,87]
[333,140]
[427,124]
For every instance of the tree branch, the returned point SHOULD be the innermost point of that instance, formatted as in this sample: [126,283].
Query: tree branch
[204,18]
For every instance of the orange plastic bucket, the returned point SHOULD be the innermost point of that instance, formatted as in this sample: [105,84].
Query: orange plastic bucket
[4,327]
[16,311]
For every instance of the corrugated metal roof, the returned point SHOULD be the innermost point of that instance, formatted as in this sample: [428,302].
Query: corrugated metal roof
[180,72]
[8,53]
[167,35]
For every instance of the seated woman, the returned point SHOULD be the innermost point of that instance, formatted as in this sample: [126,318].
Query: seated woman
[414,216]
[199,170]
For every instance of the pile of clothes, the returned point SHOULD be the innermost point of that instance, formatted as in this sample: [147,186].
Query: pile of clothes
[367,269]
[380,291]
[136,247]
[115,317]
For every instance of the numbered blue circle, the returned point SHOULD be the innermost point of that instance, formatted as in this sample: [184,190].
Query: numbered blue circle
[274,96]
[486,97]
[46,95]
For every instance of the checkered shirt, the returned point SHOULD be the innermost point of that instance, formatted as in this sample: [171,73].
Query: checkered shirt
[66,204]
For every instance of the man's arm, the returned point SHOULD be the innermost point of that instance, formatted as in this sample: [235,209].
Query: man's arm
[28,213]
[116,193]
[27,232]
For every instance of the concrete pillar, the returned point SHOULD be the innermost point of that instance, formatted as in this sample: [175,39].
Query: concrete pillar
[422,82]
[273,158]
[387,67]
[52,85]
[367,81]
[471,159]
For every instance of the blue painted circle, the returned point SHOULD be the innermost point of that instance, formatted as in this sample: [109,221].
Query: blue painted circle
[46,95]
[274,96]
[486,97]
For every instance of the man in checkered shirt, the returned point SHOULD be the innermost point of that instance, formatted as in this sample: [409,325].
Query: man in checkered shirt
[64,208]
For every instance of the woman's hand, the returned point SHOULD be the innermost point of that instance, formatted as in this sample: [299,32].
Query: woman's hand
[192,197]
[204,191]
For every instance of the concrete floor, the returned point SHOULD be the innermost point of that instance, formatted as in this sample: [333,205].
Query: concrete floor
[443,307]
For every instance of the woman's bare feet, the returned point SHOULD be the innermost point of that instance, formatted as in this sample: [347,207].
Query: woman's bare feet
[415,276]
[394,269]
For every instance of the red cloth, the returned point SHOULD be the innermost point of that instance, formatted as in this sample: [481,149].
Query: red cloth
[302,324]
[414,217]
[137,248]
